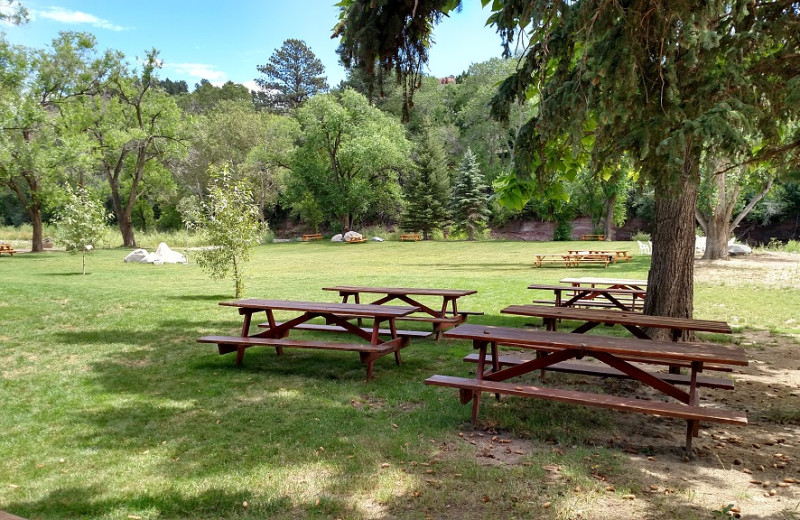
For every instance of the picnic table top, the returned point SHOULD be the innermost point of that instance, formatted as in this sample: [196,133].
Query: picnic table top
[611,290]
[349,309]
[596,251]
[627,347]
[603,281]
[449,293]
[618,317]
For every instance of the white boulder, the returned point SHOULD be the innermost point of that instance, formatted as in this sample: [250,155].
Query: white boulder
[376,239]
[352,235]
[137,255]
[336,238]
[162,255]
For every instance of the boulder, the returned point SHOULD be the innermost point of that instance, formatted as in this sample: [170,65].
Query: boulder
[336,238]
[168,256]
[352,235]
[137,255]
[376,239]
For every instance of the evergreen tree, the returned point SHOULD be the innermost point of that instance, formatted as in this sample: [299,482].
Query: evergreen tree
[428,191]
[470,201]
[294,74]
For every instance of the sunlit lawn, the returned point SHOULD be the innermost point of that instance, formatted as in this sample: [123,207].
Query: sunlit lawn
[110,409]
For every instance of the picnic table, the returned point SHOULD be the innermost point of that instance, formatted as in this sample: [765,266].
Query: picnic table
[621,254]
[6,248]
[446,316]
[632,321]
[275,334]
[615,354]
[593,237]
[570,296]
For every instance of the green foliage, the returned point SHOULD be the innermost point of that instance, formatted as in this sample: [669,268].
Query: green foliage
[428,189]
[349,158]
[470,205]
[232,227]
[294,74]
[207,96]
[562,231]
[81,223]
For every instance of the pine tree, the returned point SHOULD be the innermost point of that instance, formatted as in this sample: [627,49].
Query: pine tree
[470,201]
[428,191]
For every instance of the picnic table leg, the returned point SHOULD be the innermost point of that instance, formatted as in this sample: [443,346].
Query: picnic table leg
[393,330]
[272,324]
[476,396]
[245,332]
[693,427]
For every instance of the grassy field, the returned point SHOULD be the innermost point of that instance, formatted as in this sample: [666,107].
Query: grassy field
[111,410]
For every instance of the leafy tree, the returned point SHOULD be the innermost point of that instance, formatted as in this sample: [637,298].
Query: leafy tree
[206,96]
[38,140]
[12,11]
[349,157]
[233,229]
[428,189]
[138,129]
[470,201]
[294,74]
[663,84]
[174,88]
[80,223]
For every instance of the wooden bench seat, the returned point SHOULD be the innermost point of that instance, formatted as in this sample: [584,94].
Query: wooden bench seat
[312,236]
[410,237]
[596,302]
[607,371]
[540,260]
[336,328]
[625,404]
[368,352]
[355,240]
[578,260]
[593,237]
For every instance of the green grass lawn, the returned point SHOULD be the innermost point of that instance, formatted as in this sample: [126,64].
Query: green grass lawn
[111,410]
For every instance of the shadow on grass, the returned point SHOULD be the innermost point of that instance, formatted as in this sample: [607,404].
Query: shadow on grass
[88,502]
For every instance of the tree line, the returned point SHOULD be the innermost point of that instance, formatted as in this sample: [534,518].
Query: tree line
[75,117]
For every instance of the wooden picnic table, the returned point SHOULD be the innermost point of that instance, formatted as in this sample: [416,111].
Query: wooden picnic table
[570,296]
[621,254]
[7,249]
[632,321]
[614,283]
[275,334]
[446,316]
[616,354]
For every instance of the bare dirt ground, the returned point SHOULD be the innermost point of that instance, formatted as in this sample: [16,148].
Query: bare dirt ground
[742,472]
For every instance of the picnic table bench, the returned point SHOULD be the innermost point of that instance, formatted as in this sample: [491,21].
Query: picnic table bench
[579,259]
[409,237]
[569,296]
[593,237]
[553,349]
[275,334]
[551,259]
[312,236]
[446,316]
[6,248]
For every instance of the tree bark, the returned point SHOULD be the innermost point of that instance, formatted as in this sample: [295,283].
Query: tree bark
[608,225]
[35,214]
[670,288]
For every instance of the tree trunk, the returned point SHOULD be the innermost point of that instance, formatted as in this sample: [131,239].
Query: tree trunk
[124,220]
[608,225]
[717,232]
[35,214]
[670,288]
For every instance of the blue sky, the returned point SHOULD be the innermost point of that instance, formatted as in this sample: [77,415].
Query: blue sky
[222,41]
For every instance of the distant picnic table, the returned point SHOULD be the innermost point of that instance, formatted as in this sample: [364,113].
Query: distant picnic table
[606,297]
[7,249]
[275,334]
[446,316]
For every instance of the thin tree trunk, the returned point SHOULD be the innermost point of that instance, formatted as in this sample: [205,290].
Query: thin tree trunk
[670,289]
[608,225]
[35,214]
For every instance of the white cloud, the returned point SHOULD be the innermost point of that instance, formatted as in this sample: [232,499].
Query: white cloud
[252,85]
[77,17]
[198,70]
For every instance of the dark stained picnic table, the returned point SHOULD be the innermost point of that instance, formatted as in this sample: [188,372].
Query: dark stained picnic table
[446,316]
[275,333]
[617,354]
[570,296]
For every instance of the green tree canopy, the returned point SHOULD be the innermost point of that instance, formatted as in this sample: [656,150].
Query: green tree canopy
[428,188]
[293,74]
[349,157]
[470,198]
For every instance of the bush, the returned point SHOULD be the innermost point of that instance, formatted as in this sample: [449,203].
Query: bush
[640,236]
[562,231]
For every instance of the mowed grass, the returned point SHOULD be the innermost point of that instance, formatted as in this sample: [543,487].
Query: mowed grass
[110,409]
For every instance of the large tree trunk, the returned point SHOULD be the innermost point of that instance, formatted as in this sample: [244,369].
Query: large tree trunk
[717,231]
[670,288]
[123,215]
[608,225]
[37,240]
